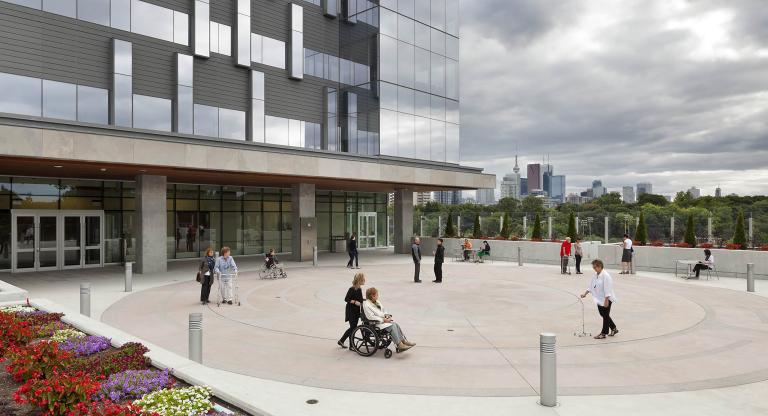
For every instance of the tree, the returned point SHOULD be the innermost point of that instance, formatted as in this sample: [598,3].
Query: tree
[739,236]
[690,234]
[572,227]
[450,231]
[508,204]
[505,227]
[536,228]
[684,199]
[642,230]
[476,229]
[533,205]
[608,200]
[653,199]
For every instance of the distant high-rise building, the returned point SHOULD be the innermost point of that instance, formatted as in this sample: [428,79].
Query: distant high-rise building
[547,171]
[510,184]
[628,194]
[535,177]
[718,192]
[485,196]
[557,188]
[644,188]
[421,198]
[523,187]
[694,192]
[573,199]
[447,197]
[598,189]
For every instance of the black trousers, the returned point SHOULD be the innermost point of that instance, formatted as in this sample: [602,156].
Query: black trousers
[607,321]
[353,256]
[205,289]
[416,270]
[348,332]
[699,267]
[439,272]
[578,263]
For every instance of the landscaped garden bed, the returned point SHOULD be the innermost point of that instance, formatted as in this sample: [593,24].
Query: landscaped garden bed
[52,369]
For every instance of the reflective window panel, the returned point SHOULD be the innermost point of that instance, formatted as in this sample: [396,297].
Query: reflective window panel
[388,95]
[20,95]
[256,48]
[123,57]
[257,121]
[94,11]
[330,8]
[438,108]
[184,68]
[202,28]
[184,110]
[438,41]
[297,55]
[405,100]
[122,94]
[422,138]
[452,111]
[59,100]
[231,124]
[422,36]
[452,47]
[387,59]
[437,74]
[295,133]
[438,14]
[35,4]
[452,133]
[151,20]
[406,7]
[63,7]
[244,36]
[452,79]
[206,120]
[151,113]
[297,18]
[214,31]
[452,17]
[180,28]
[388,23]
[120,14]
[92,105]
[422,11]
[437,142]
[405,135]
[422,104]
[388,133]
[276,130]
[273,53]
[405,29]
[421,69]
[257,85]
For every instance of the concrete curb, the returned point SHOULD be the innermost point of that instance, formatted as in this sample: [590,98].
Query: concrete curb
[11,293]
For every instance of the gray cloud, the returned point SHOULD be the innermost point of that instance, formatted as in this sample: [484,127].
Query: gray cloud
[645,90]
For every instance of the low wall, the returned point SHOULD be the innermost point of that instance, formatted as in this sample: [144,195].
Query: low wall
[729,263]
[11,293]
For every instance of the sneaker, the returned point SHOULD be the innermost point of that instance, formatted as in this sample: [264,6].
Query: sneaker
[341,344]
[229,302]
[614,332]
[599,336]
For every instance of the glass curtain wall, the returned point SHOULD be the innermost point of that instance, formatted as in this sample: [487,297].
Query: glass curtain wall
[337,215]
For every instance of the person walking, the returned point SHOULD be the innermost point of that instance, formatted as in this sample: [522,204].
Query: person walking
[416,254]
[626,255]
[439,259]
[352,251]
[354,300]
[226,269]
[578,254]
[565,254]
[207,266]
[601,288]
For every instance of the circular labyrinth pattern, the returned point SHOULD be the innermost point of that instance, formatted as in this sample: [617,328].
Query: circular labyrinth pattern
[477,333]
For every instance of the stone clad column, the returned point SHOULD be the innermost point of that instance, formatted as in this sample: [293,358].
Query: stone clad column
[151,247]
[403,221]
[304,233]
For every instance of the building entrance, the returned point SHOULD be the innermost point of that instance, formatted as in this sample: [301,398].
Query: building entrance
[366,235]
[56,240]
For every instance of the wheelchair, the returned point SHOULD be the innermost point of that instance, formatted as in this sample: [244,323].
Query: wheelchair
[273,272]
[366,339]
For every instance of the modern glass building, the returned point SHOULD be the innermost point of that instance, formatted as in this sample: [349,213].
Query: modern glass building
[148,130]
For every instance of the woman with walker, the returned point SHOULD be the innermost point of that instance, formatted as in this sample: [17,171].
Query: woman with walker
[226,269]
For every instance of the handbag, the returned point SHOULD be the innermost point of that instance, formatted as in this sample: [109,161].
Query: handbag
[199,277]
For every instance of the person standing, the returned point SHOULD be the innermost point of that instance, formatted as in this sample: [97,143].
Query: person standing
[416,254]
[352,251]
[207,266]
[578,254]
[626,255]
[439,259]
[601,288]
[226,269]
[565,253]
[354,300]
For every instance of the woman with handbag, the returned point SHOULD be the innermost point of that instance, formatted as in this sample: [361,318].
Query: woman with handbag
[205,275]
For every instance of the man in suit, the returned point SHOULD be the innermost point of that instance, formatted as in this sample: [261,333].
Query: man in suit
[416,254]
[439,259]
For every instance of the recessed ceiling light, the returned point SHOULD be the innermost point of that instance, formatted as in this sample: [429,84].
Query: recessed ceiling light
[57,166]
[103,169]
[142,170]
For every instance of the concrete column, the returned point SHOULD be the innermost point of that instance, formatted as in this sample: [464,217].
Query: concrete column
[606,229]
[525,228]
[710,237]
[577,225]
[151,247]
[751,241]
[549,227]
[403,220]
[304,233]
[672,230]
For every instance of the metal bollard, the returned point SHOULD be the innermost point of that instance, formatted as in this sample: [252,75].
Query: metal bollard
[750,277]
[85,299]
[314,256]
[196,337]
[548,369]
[519,256]
[128,276]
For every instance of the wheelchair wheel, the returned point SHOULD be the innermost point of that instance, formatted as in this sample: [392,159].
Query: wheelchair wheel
[387,353]
[365,341]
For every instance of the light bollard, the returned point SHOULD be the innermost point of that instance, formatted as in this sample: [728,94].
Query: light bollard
[85,299]
[196,337]
[750,277]
[314,255]
[548,370]
[519,256]
[128,276]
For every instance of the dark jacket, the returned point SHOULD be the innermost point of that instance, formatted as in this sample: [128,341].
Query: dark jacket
[440,254]
[270,261]
[353,311]
[416,253]
[207,265]
[352,245]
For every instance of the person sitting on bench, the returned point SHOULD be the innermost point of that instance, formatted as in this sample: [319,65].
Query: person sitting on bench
[486,251]
[707,264]
[467,247]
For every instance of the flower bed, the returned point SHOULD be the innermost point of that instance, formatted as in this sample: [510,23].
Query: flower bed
[64,372]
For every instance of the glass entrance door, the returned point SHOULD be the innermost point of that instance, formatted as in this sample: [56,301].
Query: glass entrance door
[366,226]
[48,242]
[24,242]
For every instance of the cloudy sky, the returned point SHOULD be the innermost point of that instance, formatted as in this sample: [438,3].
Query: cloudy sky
[672,92]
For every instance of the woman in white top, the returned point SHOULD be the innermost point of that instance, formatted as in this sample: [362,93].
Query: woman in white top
[601,288]
[707,264]
[374,311]
[626,255]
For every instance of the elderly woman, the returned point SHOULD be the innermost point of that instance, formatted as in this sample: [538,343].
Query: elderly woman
[601,288]
[374,311]
[226,269]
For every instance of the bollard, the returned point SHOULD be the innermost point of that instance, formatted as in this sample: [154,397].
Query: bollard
[548,369]
[196,337]
[128,276]
[519,256]
[750,277]
[85,299]
[314,256]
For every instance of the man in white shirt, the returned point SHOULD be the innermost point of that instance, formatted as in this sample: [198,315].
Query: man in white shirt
[601,288]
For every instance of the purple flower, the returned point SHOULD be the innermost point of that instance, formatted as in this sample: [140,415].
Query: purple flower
[133,384]
[81,347]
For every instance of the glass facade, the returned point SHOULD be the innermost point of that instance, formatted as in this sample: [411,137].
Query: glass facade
[339,214]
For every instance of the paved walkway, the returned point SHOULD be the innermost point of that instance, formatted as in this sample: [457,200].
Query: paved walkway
[686,341]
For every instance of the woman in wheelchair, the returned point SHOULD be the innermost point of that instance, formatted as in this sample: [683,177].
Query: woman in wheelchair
[374,311]
[270,261]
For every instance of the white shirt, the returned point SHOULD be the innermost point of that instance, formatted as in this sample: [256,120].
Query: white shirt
[627,244]
[711,261]
[601,287]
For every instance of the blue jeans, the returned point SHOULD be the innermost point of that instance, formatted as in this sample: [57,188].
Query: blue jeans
[396,333]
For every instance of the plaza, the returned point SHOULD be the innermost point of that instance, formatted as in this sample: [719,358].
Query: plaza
[681,342]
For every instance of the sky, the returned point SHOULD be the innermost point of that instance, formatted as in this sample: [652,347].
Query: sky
[672,92]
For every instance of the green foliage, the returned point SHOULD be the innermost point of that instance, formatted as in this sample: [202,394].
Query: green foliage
[536,228]
[476,229]
[690,233]
[506,226]
[642,230]
[508,204]
[739,236]
[653,199]
[533,205]
[608,200]
[572,226]
[683,199]
[450,230]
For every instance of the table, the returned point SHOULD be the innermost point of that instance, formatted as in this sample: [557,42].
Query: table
[689,263]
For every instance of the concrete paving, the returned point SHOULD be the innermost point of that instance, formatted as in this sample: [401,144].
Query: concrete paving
[685,342]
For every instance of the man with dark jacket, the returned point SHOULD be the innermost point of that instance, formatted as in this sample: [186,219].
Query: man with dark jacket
[439,259]
[416,254]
